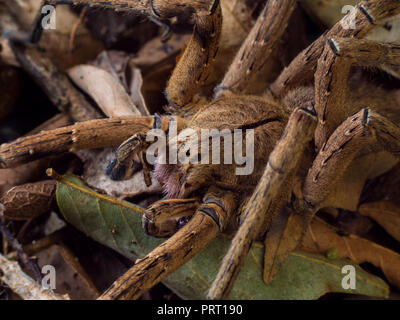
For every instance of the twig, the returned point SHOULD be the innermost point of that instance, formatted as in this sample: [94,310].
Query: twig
[46,242]
[25,259]
[74,29]
[22,284]
[71,259]
[163,260]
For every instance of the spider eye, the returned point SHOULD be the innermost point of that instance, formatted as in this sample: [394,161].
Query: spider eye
[182,221]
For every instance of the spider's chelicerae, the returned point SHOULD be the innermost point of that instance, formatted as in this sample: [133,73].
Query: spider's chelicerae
[310,128]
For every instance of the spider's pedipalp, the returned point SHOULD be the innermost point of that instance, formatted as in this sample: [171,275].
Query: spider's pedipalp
[162,219]
[267,198]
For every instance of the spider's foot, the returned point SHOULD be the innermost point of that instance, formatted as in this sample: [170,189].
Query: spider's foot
[118,171]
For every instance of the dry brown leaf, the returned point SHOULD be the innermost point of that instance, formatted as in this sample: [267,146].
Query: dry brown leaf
[386,187]
[57,42]
[353,222]
[135,84]
[68,281]
[29,201]
[72,260]
[7,23]
[107,91]
[384,213]
[360,170]
[321,237]
[282,238]
[117,64]
[10,87]
[155,51]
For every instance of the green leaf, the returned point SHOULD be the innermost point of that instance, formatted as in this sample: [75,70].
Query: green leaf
[117,224]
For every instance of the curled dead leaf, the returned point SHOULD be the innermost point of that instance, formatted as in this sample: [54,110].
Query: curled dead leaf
[321,237]
[29,201]
[107,91]
[386,214]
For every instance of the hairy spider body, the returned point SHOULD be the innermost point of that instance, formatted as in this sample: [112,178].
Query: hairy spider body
[227,113]
[306,140]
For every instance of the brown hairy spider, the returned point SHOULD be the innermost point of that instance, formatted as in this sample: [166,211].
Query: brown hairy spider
[307,137]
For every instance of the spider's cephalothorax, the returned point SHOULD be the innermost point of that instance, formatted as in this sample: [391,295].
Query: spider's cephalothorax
[309,140]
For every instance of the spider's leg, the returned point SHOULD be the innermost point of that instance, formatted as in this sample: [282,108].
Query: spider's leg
[366,129]
[266,200]
[259,44]
[163,218]
[99,133]
[301,70]
[332,75]
[155,9]
[195,64]
[210,218]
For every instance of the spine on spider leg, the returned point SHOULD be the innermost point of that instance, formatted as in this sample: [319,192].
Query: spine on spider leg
[301,70]
[196,62]
[255,51]
[82,135]
[281,166]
